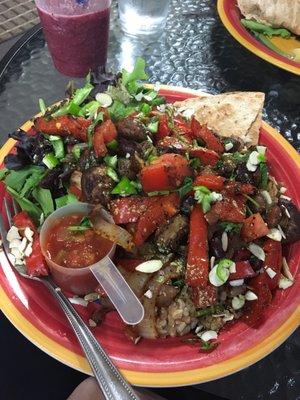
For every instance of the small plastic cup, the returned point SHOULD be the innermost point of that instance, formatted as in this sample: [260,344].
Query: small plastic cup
[76,32]
[79,281]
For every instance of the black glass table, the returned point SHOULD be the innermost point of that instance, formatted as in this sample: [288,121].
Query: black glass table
[197,52]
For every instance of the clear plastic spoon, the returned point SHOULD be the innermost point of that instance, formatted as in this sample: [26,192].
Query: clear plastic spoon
[119,292]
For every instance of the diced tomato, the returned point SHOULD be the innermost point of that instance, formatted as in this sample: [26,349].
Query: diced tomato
[254,227]
[231,209]
[273,260]
[233,187]
[129,209]
[204,133]
[243,271]
[129,263]
[205,296]
[35,263]
[197,260]
[254,309]
[148,223]
[167,172]
[207,156]
[242,254]
[76,191]
[211,181]
[22,221]
[163,128]
[104,133]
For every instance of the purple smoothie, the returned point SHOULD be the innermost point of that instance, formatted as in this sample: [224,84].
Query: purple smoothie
[77,43]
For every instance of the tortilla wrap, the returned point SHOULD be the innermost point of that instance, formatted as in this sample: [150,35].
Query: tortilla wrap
[277,13]
[236,114]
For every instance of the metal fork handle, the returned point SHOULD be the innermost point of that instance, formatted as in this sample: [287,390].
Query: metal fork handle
[113,385]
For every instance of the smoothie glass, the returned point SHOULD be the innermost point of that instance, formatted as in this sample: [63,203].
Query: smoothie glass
[76,32]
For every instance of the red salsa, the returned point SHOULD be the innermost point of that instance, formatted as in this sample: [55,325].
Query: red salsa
[75,249]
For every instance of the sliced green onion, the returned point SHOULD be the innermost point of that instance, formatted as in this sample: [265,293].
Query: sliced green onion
[58,146]
[50,160]
[153,126]
[64,200]
[42,106]
[112,174]
[113,145]
[125,187]
[145,108]
[111,161]
[89,109]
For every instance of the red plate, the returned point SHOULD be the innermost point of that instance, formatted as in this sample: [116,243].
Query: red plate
[166,362]
[231,17]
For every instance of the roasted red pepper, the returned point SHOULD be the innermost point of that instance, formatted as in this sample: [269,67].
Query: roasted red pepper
[130,209]
[243,271]
[254,309]
[254,227]
[204,296]
[152,218]
[197,260]
[211,181]
[204,133]
[167,172]
[104,133]
[63,126]
[273,260]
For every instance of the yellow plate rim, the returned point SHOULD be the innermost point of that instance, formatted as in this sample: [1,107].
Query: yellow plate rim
[157,379]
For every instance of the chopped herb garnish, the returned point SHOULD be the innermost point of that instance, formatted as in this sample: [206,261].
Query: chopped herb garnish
[203,197]
[84,225]
[178,283]
[255,203]
[264,175]
[231,227]
[216,309]
[186,187]
[208,346]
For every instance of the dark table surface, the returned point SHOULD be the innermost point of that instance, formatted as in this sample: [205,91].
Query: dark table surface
[197,52]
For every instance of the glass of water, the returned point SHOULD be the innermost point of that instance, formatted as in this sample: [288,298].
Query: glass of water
[143,17]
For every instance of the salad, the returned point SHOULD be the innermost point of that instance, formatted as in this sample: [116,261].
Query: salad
[200,223]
